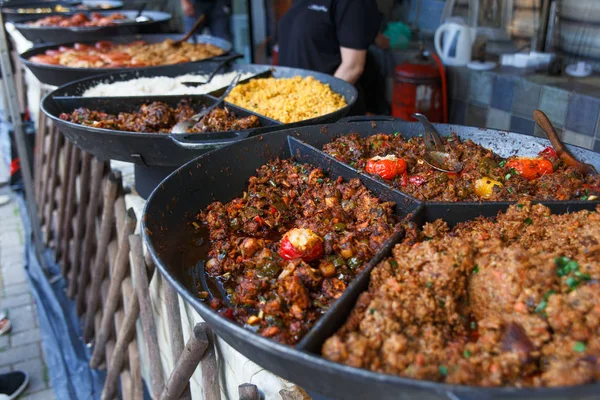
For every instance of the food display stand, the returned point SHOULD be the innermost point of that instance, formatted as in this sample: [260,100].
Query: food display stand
[154,325]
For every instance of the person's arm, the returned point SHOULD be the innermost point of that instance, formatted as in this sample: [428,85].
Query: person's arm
[352,66]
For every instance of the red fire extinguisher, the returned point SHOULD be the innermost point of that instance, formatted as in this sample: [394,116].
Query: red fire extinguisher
[419,86]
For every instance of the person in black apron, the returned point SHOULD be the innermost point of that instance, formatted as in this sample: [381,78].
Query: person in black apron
[330,36]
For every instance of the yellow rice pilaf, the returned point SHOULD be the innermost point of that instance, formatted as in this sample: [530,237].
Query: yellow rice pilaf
[287,99]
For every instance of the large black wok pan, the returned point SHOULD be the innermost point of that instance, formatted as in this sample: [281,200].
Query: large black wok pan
[222,175]
[12,14]
[167,150]
[58,75]
[52,34]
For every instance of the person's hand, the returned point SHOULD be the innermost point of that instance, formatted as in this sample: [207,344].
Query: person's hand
[382,41]
[188,8]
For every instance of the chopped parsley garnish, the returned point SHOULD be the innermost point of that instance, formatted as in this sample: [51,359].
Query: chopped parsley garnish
[520,205]
[443,370]
[372,310]
[566,266]
[528,221]
[467,353]
[542,306]
[442,303]
[579,347]
[429,284]
[476,269]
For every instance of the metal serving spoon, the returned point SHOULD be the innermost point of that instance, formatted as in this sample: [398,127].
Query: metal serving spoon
[184,126]
[435,157]
[214,73]
[561,150]
[139,17]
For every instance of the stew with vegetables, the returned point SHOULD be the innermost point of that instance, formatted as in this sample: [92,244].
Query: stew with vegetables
[485,176]
[283,252]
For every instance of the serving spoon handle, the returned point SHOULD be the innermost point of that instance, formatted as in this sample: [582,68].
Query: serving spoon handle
[561,150]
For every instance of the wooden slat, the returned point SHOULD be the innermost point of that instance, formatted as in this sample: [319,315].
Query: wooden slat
[111,188]
[90,235]
[146,314]
[82,201]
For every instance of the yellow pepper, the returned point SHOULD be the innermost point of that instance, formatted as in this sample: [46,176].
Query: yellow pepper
[484,187]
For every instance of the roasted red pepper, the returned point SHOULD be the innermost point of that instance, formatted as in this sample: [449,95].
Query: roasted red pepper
[387,167]
[301,243]
[548,152]
[404,182]
[531,168]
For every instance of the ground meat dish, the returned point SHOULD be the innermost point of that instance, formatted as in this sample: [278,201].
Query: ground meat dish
[512,301]
[485,175]
[79,20]
[159,117]
[288,248]
[106,54]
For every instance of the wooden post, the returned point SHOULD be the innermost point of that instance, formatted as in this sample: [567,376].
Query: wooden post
[248,391]
[84,187]
[113,184]
[40,152]
[46,168]
[124,336]
[194,351]
[67,221]
[148,322]
[210,370]
[64,195]
[52,185]
[90,234]
[175,333]
[119,272]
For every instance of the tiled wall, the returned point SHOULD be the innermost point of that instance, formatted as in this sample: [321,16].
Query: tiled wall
[504,101]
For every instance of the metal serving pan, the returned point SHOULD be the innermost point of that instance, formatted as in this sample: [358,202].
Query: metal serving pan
[12,14]
[222,175]
[58,75]
[163,150]
[52,34]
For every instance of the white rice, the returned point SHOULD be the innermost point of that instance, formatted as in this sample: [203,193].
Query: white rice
[161,85]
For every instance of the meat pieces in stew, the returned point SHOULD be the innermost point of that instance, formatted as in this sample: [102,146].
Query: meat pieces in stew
[159,117]
[289,247]
[511,301]
[485,175]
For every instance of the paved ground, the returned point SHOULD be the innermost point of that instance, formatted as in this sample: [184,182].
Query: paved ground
[21,348]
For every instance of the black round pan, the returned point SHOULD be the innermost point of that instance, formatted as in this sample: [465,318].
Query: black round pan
[58,75]
[52,34]
[168,150]
[222,175]
[12,14]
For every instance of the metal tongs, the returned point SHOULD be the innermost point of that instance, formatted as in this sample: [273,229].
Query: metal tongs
[184,126]
[435,156]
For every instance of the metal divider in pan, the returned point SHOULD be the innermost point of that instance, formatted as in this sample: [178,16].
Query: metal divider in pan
[405,206]
[454,213]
